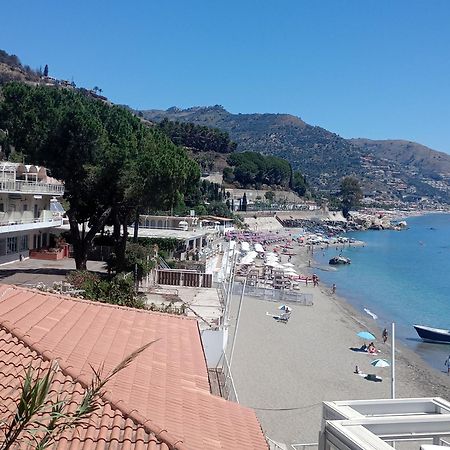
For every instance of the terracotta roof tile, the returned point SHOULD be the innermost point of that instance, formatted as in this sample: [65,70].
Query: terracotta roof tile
[161,401]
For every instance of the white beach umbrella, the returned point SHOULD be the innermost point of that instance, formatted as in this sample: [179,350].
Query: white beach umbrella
[288,264]
[272,263]
[380,363]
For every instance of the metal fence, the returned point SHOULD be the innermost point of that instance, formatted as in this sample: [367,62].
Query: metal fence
[228,388]
[275,295]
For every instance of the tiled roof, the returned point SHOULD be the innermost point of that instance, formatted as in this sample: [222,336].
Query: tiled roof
[161,401]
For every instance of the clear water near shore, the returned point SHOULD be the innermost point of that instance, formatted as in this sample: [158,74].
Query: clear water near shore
[400,276]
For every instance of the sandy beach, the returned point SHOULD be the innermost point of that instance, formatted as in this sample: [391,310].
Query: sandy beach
[285,371]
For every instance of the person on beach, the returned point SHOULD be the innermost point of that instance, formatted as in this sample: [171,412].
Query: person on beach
[447,364]
[385,336]
[333,289]
[357,371]
[372,348]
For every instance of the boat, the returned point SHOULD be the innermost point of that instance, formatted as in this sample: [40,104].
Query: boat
[339,260]
[429,334]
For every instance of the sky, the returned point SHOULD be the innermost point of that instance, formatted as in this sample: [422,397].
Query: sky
[361,68]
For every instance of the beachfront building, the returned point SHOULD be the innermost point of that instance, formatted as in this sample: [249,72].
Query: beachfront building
[29,209]
[194,223]
[198,236]
[406,423]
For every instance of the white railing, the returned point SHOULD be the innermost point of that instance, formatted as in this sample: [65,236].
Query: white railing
[15,218]
[274,445]
[309,446]
[31,187]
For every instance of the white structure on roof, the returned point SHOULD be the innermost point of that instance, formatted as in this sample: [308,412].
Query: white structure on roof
[28,209]
[410,423]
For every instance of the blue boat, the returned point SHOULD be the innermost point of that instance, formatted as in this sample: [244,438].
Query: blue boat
[429,334]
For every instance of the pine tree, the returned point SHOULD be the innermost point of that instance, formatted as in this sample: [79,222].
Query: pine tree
[46,70]
[244,203]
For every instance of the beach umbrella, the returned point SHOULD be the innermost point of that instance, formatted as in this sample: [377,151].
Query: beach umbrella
[284,308]
[366,335]
[380,363]
[288,264]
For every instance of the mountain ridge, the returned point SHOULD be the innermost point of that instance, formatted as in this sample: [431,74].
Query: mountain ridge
[324,156]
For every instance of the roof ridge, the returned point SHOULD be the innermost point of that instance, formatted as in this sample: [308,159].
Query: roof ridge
[149,426]
[98,303]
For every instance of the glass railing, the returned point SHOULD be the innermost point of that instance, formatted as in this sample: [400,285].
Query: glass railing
[31,187]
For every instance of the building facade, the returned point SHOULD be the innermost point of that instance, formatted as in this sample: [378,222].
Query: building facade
[29,209]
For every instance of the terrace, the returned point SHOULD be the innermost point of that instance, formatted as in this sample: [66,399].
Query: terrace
[28,179]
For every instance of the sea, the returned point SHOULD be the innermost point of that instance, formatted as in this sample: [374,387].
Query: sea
[401,277]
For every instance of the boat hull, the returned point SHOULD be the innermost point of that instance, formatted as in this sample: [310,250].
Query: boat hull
[435,335]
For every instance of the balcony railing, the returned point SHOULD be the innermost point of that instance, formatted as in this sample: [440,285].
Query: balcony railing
[31,187]
[27,217]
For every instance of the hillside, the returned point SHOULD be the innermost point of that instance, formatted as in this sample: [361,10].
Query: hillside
[411,154]
[312,150]
[399,169]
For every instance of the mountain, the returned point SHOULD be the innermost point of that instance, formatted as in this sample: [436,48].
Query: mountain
[416,156]
[323,156]
[399,169]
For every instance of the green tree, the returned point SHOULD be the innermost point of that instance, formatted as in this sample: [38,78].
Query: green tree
[351,194]
[269,195]
[244,202]
[46,70]
[298,183]
[111,164]
[38,409]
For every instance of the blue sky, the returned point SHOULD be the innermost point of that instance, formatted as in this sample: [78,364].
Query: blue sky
[361,68]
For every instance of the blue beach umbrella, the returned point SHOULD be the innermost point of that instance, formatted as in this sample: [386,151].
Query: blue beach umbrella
[366,335]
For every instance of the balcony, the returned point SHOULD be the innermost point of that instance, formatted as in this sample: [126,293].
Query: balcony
[30,187]
[16,221]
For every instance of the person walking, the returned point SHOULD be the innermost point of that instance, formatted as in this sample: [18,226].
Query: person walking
[333,289]
[447,364]
[385,335]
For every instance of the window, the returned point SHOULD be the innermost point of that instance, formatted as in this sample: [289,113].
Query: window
[24,242]
[25,207]
[11,245]
[2,247]
[2,207]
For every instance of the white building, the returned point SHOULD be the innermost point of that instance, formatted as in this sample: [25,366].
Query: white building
[403,424]
[28,209]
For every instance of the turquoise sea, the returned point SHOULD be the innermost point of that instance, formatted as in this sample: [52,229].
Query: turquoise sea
[401,276]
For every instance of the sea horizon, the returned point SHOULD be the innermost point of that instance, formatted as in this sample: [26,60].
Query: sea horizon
[401,277]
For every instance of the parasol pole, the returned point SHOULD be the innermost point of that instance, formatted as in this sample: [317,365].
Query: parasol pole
[393,361]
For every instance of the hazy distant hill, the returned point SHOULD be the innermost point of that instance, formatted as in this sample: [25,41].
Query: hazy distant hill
[424,159]
[323,156]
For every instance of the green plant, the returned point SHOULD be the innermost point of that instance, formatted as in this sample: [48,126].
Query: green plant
[41,419]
